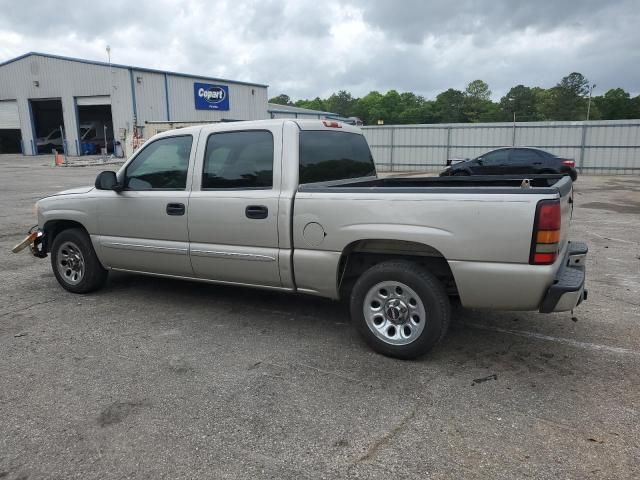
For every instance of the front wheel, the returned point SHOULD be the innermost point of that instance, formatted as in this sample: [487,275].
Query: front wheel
[75,263]
[400,309]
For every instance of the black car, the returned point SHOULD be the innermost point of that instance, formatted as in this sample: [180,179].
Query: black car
[515,160]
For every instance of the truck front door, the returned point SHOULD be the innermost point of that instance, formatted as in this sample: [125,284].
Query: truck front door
[233,209]
[144,227]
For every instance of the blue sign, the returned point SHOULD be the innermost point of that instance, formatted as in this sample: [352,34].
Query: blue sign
[211,97]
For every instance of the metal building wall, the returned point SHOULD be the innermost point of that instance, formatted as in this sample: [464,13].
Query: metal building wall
[66,80]
[151,101]
[606,147]
[246,102]
[135,93]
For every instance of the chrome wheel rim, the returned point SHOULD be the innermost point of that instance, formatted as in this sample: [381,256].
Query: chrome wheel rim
[394,313]
[70,263]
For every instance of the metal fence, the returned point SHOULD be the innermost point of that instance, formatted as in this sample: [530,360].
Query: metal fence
[598,147]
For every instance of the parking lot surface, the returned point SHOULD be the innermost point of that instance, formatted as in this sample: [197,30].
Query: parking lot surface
[155,378]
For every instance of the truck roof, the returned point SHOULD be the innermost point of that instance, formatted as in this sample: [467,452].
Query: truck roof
[330,125]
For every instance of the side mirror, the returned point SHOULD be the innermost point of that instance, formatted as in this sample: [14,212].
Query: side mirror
[107,180]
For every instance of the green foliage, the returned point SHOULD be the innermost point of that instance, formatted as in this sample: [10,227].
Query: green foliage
[521,101]
[567,100]
[450,107]
[281,99]
[616,104]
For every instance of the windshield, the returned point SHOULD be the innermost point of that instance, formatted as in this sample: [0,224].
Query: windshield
[327,156]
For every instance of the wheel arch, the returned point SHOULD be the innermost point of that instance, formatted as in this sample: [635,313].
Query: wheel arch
[360,255]
[53,227]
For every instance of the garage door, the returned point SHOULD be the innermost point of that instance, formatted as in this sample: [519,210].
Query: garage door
[95,100]
[9,114]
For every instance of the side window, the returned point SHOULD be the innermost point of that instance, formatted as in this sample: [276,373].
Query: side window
[162,164]
[327,155]
[522,156]
[498,157]
[238,160]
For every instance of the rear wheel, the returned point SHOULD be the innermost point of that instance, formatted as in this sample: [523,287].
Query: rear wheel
[74,262]
[400,309]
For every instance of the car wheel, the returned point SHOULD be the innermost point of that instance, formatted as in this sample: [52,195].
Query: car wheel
[74,262]
[400,309]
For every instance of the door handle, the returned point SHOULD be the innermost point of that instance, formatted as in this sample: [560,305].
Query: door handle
[175,209]
[256,211]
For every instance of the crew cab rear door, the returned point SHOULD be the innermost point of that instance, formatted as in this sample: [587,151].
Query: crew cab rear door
[233,209]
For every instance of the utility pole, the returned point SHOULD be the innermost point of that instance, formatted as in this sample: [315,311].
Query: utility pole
[589,102]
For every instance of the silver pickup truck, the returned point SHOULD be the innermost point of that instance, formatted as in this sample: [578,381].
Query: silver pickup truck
[297,206]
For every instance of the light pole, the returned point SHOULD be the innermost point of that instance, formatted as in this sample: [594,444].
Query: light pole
[589,102]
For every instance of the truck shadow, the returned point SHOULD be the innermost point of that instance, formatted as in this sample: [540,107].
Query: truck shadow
[477,341]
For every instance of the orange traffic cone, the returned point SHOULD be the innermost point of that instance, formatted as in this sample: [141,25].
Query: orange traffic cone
[59,160]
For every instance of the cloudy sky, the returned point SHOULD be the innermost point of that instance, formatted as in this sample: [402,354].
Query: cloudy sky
[312,48]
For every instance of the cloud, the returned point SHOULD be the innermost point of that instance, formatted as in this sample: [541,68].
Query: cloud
[309,48]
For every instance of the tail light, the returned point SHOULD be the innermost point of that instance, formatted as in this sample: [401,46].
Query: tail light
[569,163]
[545,243]
[331,124]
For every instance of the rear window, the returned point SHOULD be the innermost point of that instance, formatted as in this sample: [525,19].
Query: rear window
[326,156]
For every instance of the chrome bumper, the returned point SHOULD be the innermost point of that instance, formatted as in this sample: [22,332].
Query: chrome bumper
[567,290]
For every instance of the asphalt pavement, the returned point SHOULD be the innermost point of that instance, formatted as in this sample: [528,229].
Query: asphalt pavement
[156,378]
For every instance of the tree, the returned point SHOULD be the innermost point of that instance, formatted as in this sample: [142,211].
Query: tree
[370,109]
[615,104]
[341,103]
[281,99]
[449,106]
[567,99]
[521,100]
[315,104]
[576,84]
[478,106]
[478,90]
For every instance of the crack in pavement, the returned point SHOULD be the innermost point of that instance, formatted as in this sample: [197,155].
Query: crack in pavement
[378,444]
[4,314]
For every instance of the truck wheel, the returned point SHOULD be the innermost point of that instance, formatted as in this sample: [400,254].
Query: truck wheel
[75,263]
[400,309]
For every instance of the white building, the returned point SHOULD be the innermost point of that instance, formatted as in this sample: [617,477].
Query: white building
[42,95]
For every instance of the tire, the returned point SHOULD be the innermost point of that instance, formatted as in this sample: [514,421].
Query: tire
[74,262]
[404,324]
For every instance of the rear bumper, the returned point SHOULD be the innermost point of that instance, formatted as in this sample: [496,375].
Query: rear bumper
[567,290]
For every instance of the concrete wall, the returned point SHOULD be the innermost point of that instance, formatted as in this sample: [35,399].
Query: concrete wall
[605,147]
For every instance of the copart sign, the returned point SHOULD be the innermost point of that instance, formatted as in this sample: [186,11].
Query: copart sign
[211,97]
